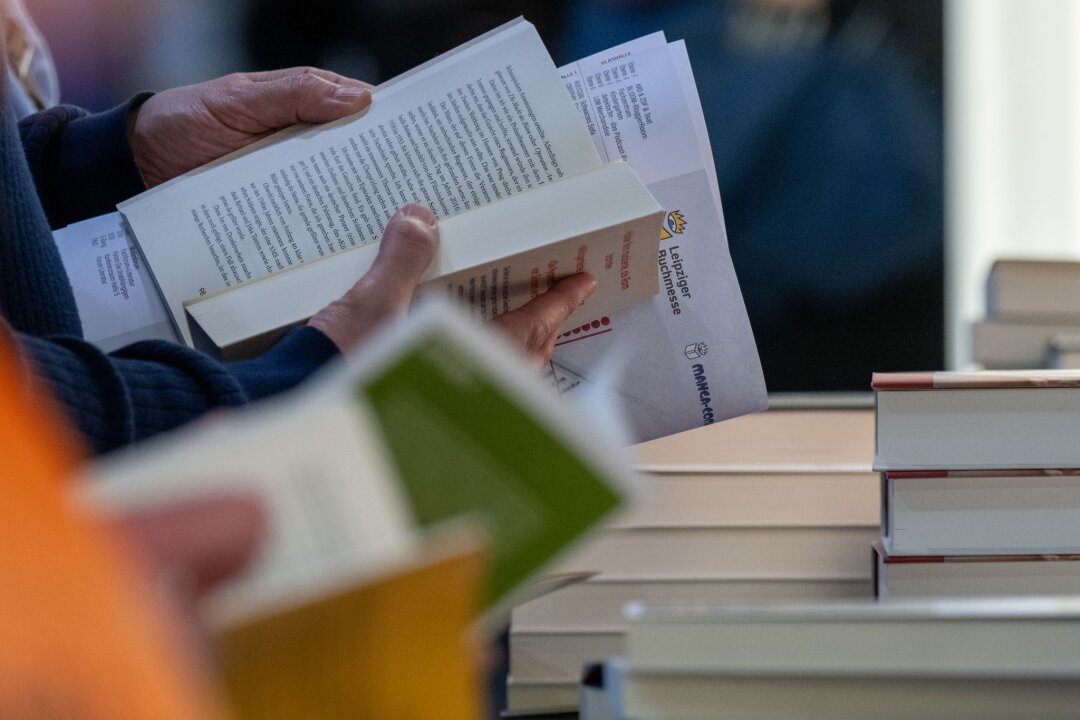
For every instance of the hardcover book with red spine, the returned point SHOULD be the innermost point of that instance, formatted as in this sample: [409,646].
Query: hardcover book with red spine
[996,420]
[900,576]
[981,512]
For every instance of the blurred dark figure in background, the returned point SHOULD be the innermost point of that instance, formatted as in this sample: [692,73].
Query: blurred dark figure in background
[388,37]
[826,125]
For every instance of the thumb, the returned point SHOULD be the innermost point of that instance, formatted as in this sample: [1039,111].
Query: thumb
[304,97]
[387,288]
[407,248]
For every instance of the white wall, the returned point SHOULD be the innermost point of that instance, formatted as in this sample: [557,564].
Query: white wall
[1012,145]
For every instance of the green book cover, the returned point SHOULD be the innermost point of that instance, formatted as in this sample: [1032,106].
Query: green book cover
[464,444]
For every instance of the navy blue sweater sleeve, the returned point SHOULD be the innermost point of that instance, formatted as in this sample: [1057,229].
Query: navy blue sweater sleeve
[154,386]
[81,163]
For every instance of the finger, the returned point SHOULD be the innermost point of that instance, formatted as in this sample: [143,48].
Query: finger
[534,326]
[386,289]
[407,248]
[201,541]
[333,77]
[303,98]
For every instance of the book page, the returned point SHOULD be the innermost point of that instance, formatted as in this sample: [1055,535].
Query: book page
[692,359]
[117,301]
[483,123]
[631,108]
[603,221]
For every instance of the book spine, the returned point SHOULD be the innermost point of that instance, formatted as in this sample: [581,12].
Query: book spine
[916,474]
[1046,472]
[940,559]
[903,381]
[1034,379]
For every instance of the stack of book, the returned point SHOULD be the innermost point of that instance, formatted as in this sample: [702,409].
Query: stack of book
[779,506]
[980,483]
[1032,306]
[999,658]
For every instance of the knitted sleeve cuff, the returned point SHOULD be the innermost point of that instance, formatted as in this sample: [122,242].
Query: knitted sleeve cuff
[294,358]
[154,386]
[94,166]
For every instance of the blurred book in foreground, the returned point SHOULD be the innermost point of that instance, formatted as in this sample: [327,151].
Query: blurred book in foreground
[434,422]
[374,649]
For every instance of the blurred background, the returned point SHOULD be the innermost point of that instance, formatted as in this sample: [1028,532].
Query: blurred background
[827,120]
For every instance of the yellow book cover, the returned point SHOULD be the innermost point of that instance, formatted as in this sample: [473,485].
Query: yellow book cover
[398,647]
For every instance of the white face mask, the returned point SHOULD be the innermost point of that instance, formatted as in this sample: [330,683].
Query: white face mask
[34,85]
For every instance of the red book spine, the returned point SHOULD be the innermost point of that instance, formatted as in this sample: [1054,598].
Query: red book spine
[915,474]
[903,381]
[939,559]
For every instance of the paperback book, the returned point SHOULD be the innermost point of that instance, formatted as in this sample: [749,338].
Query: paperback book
[484,135]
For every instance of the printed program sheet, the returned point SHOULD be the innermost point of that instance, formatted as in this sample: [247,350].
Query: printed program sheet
[692,357]
[116,297]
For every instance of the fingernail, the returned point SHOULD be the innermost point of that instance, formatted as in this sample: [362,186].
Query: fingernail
[419,212]
[352,94]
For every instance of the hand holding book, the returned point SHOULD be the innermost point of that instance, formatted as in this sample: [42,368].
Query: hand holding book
[192,547]
[262,240]
[387,289]
[183,128]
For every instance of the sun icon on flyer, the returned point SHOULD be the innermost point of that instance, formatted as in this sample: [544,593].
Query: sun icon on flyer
[674,224]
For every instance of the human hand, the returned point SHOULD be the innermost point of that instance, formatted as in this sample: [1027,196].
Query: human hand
[192,546]
[180,129]
[385,291]
[534,327]
[197,543]
[406,250]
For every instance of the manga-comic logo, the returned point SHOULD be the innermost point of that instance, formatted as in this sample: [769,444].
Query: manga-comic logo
[695,350]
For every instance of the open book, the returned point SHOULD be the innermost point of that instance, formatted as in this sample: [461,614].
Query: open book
[689,353]
[485,135]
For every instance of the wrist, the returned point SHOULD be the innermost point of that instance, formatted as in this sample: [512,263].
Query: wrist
[138,147]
